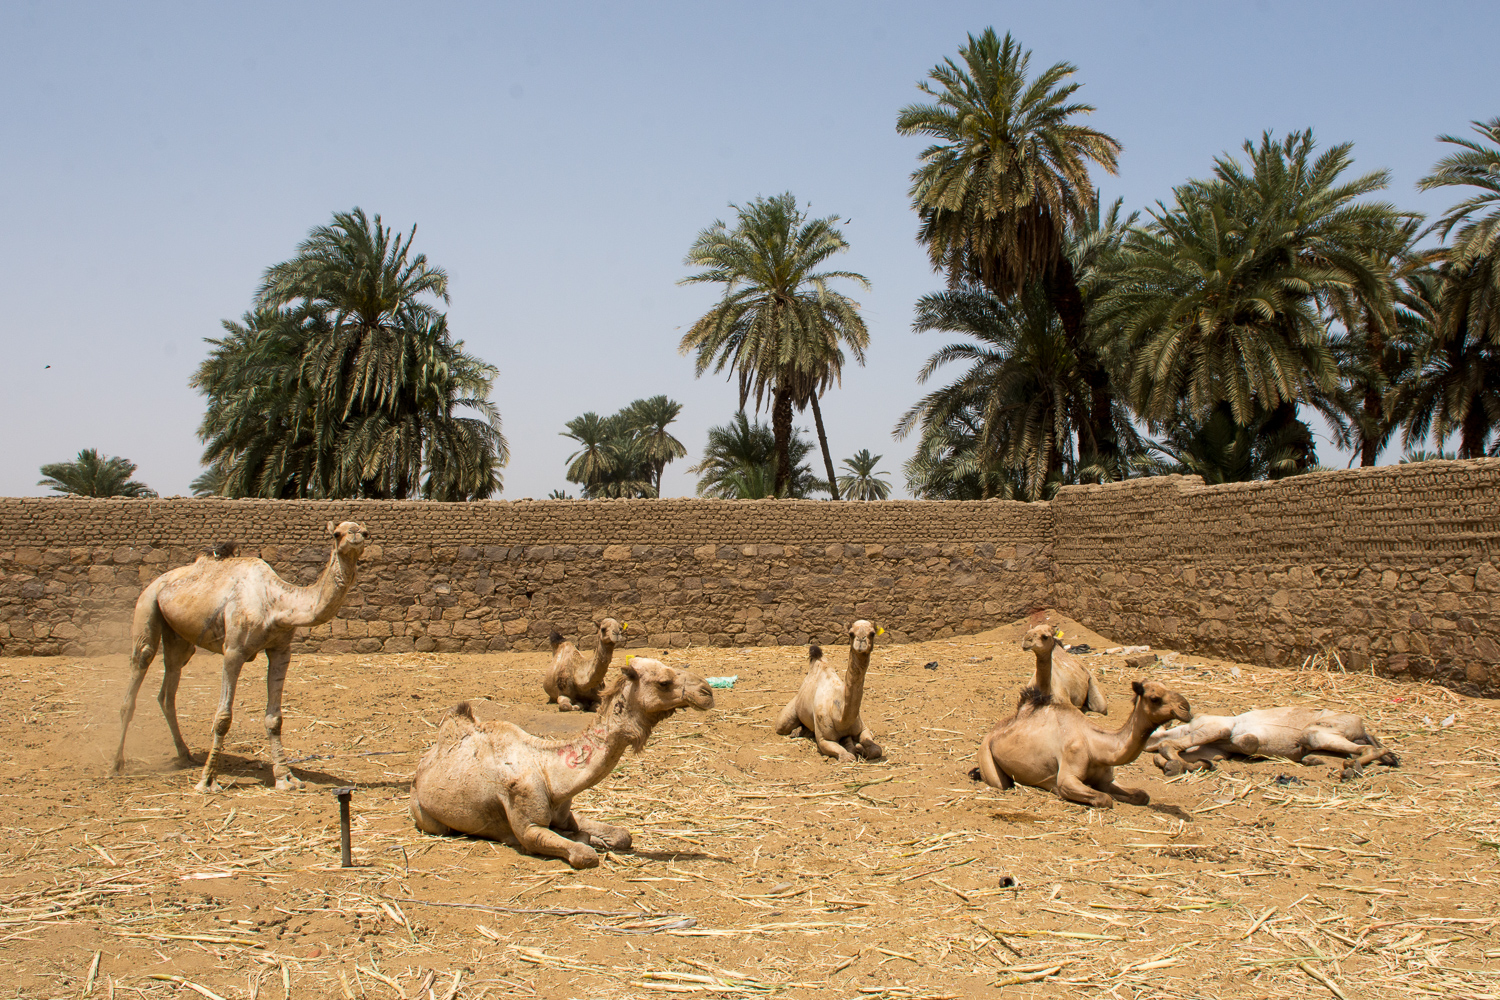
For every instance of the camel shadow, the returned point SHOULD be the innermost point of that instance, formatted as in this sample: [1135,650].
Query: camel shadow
[1176,812]
[678,856]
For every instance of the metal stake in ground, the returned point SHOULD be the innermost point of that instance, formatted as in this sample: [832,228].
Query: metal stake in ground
[343,796]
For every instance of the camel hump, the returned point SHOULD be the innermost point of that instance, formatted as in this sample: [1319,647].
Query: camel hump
[1033,698]
[814,653]
[555,638]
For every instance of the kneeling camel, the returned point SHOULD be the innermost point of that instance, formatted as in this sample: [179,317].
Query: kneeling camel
[573,681]
[1071,681]
[490,778]
[827,706]
[1049,744]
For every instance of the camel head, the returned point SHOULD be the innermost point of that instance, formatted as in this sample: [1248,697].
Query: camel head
[862,636]
[1041,638]
[611,632]
[349,537]
[660,690]
[1161,703]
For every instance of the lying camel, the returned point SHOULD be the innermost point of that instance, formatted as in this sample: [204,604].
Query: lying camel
[1071,681]
[1049,744]
[489,778]
[827,705]
[238,607]
[1292,733]
[573,680]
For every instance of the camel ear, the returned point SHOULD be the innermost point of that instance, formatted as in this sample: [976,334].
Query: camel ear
[1138,688]
[332,528]
[630,671]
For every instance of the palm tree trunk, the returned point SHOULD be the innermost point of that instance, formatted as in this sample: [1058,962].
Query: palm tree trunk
[781,427]
[1097,436]
[1472,432]
[1369,431]
[833,483]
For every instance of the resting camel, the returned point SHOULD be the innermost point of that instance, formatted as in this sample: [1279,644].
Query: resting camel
[827,705]
[1292,733]
[572,680]
[1071,681]
[238,607]
[492,779]
[1049,744]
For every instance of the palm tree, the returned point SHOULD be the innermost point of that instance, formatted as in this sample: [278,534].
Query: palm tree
[863,482]
[90,475]
[780,328]
[1454,389]
[740,463]
[1222,297]
[1471,264]
[345,382]
[647,420]
[948,463]
[1022,379]
[1007,174]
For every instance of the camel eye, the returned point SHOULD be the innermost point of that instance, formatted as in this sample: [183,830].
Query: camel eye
[665,684]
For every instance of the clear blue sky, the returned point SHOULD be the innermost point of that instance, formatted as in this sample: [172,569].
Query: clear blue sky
[559,159]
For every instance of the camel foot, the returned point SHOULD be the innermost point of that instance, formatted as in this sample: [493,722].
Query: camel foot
[871,750]
[611,842]
[1134,797]
[845,757]
[1171,768]
[119,767]
[290,783]
[186,760]
[206,787]
[583,856]
[1351,770]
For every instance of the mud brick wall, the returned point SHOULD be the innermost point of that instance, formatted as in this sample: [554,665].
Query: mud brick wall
[1394,568]
[501,575]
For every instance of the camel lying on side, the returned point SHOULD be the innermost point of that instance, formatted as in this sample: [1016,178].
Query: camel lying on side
[1049,744]
[572,679]
[1292,733]
[238,607]
[490,778]
[1071,681]
[827,706]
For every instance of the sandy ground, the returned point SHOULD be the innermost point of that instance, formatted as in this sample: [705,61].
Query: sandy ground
[760,867]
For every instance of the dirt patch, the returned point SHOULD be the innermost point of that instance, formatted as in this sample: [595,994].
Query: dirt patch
[760,866]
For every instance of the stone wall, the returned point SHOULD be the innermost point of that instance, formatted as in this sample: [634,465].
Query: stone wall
[502,575]
[1394,568]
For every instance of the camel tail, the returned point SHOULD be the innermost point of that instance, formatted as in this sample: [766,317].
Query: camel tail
[814,653]
[555,639]
[987,767]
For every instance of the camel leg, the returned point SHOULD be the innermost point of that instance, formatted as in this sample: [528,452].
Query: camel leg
[1316,740]
[867,745]
[1071,787]
[234,659]
[823,734]
[1133,796]
[277,661]
[146,637]
[787,722]
[1201,735]
[175,653]
[564,704]
[528,811]
[614,838]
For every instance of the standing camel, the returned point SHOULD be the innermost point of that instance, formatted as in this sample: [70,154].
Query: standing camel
[238,607]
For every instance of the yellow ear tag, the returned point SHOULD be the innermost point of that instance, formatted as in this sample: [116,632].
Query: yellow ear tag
[879,630]
[624,626]
[630,657]
[1057,634]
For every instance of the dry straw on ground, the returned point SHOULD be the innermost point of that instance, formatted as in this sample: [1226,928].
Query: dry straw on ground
[761,868]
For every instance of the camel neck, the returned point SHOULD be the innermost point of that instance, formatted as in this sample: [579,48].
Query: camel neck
[1043,670]
[603,653]
[591,755]
[1130,738]
[854,682]
[321,601]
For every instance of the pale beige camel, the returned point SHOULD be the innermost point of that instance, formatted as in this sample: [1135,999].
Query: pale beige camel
[574,680]
[1049,744]
[1071,681]
[827,706]
[490,778]
[238,607]
[1292,733]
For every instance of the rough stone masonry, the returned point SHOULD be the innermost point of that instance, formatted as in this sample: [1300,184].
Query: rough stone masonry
[1393,568]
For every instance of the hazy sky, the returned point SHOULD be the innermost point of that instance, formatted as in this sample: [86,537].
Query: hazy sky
[560,158]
